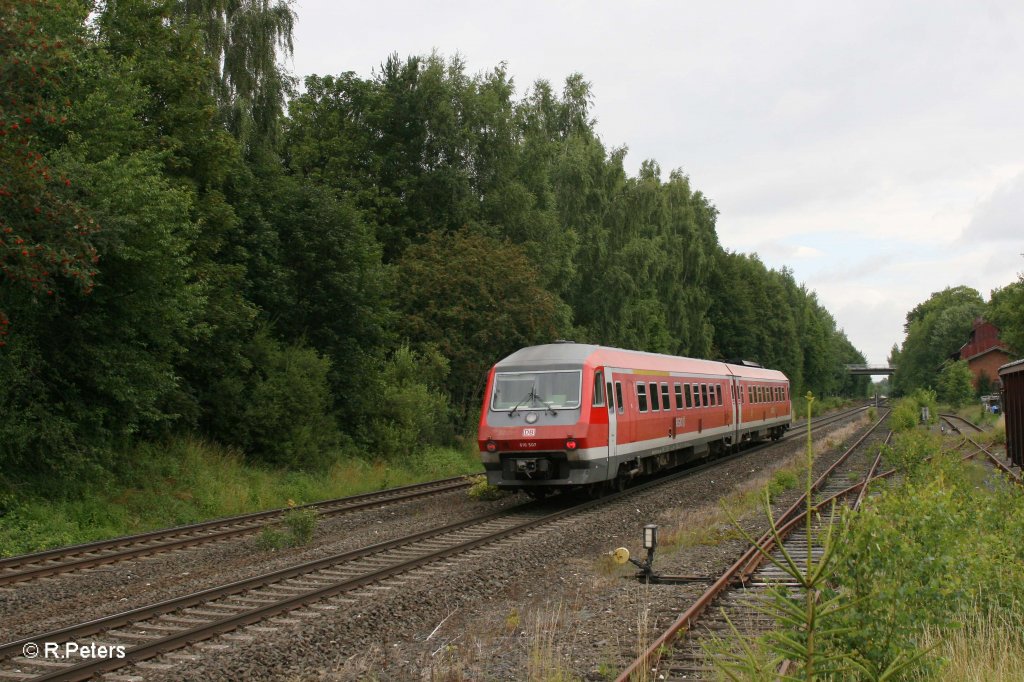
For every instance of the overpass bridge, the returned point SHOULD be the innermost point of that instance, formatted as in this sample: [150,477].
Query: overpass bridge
[871,370]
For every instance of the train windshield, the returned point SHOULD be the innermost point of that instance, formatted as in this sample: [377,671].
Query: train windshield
[536,390]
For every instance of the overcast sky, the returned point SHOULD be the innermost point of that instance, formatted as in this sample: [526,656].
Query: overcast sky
[876,148]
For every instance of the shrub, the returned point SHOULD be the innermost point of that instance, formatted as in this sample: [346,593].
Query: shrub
[905,563]
[300,524]
[484,491]
[410,410]
[294,530]
[287,420]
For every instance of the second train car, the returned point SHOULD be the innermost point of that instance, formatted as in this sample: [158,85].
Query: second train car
[571,415]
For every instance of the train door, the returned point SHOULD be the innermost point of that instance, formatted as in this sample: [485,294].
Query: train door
[614,408]
[737,408]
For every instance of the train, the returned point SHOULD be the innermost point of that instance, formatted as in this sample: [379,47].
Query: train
[571,416]
[1011,378]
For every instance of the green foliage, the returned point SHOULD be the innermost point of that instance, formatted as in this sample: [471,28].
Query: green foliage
[46,233]
[301,524]
[182,257]
[924,553]
[809,620]
[475,299]
[1006,311]
[906,413]
[286,421]
[483,491]
[955,384]
[934,330]
[409,410]
[183,481]
[764,315]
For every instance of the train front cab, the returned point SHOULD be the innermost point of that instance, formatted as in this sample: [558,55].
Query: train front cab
[545,427]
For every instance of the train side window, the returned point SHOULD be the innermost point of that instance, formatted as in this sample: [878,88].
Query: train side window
[611,399]
[598,389]
[750,394]
[687,396]
[641,395]
[679,395]
[618,397]
[665,402]
[695,392]
[718,394]
[704,395]
[654,397]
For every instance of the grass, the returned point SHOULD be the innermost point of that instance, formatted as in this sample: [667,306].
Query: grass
[547,661]
[187,480]
[982,649]
[710,524]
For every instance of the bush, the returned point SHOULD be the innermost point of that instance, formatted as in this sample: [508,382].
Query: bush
[410,410]
[907,412]
[905,563]
[301,523]
[295,529]
[483,491]
[287,420]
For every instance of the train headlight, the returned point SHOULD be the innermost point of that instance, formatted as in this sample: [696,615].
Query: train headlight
[491,446]
[570,444]
[650,536]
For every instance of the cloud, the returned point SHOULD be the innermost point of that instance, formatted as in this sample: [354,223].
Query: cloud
[1000,218]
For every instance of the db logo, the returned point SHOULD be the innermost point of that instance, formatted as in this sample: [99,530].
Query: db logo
[529,432]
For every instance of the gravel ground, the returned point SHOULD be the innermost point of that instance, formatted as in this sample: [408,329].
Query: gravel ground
[58,601]
[544,604]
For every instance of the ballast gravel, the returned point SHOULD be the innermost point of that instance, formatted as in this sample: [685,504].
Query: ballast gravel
[540,605]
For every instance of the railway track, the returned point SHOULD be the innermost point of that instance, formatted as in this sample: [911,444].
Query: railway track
[66,559]
[77,557]
[953,420]
[149,631]
[738,595]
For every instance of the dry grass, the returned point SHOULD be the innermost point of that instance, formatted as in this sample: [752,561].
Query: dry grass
[548,658]
[982,650]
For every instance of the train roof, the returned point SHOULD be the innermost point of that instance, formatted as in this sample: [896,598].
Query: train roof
[1012,367]
[565,355]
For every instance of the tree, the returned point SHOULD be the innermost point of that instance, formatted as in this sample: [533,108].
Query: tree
[475,299]
[46,235]
[935,329]
[955,383]
[1006,311]
[97,366]
[242,39]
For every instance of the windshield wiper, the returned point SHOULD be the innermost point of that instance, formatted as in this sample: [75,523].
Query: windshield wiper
[545,404]
[528,396]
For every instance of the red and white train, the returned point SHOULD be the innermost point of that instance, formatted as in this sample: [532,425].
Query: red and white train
[568,415]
